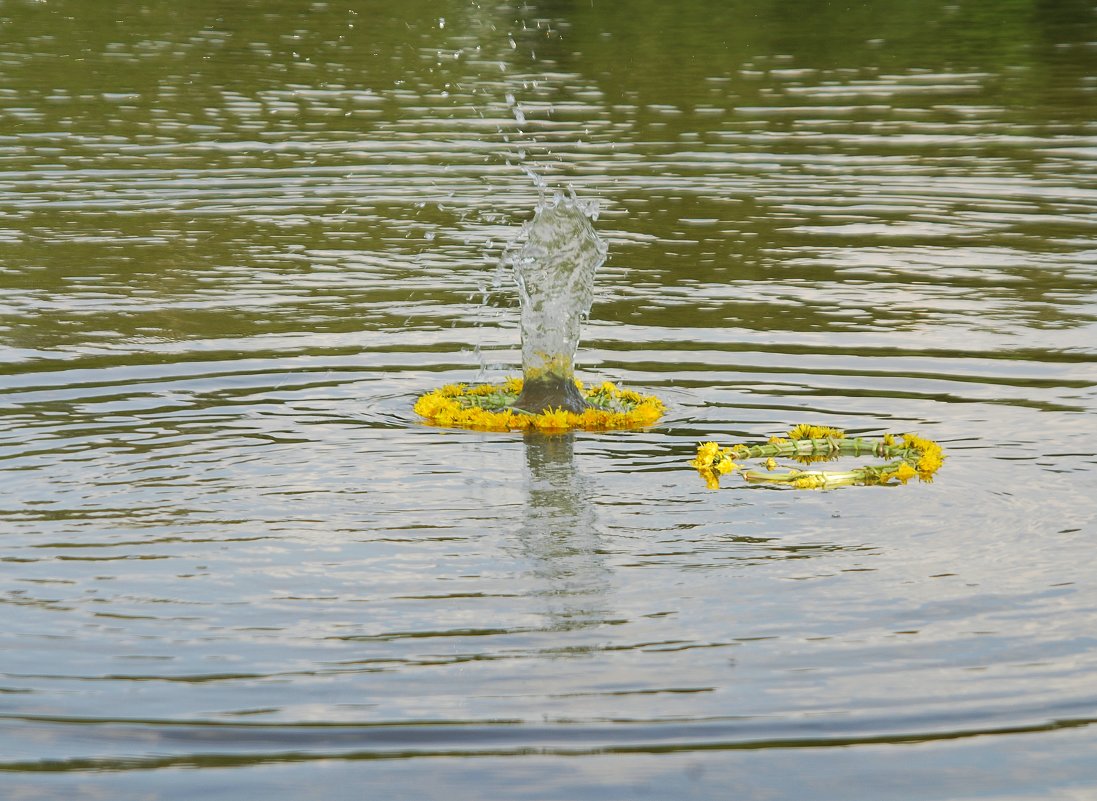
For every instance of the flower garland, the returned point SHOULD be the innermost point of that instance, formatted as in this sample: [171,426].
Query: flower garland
[490,407]
[910,456]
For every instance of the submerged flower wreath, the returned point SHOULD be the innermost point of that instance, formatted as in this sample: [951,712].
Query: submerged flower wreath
[490,407]
[910,456]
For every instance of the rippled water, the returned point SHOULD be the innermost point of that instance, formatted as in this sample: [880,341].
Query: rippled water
[237,240]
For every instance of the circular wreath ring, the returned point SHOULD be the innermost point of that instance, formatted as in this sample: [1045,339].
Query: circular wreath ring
[490,407]
[909,456]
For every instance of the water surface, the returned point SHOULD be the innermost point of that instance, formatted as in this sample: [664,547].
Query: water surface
[237,241]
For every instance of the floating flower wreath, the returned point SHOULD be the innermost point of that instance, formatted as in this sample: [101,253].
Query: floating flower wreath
[490,407]
[910,456]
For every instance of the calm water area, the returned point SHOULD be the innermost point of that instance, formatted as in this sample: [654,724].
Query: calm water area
[238,239]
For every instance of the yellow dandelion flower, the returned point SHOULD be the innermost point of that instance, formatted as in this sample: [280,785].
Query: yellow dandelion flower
[805,431]
[802,431]
[930,455]
[594,419]
[725,465]
[467,417]
[644,414]
[905,472]
[431,404]
[771,464]
[555,420]
[706,454]
[494,421]
[483,389]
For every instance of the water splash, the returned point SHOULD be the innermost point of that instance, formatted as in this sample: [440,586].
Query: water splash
[554,269]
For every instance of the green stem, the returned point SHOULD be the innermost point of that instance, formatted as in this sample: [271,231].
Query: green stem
[824,446]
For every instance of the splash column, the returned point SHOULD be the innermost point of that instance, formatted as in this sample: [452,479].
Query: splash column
[555,270]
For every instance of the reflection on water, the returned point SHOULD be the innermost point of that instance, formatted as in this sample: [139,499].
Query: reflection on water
[559,533]
[237,242]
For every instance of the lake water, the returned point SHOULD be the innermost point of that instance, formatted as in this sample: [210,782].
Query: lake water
[238,239]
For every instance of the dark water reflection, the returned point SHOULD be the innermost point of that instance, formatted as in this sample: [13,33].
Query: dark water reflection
[559,534]
[236,240]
